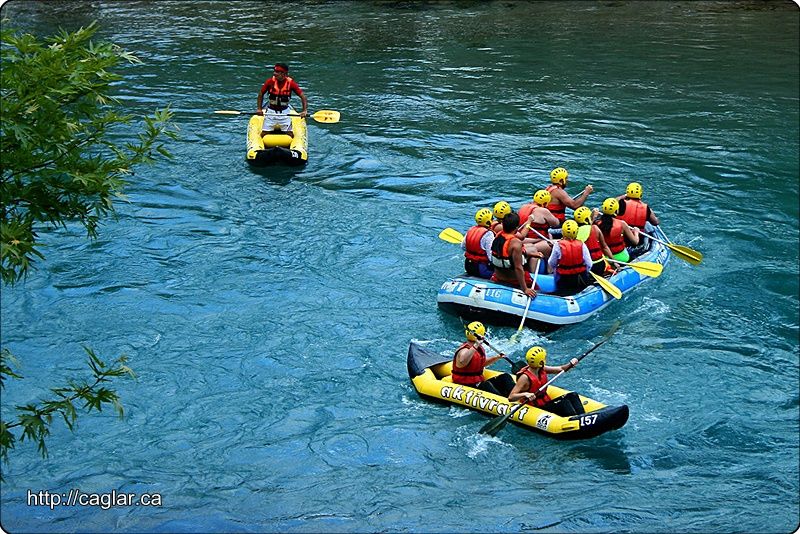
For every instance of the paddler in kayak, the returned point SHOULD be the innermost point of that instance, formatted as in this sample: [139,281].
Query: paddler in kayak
[470,360]
[279,90]
[532,377]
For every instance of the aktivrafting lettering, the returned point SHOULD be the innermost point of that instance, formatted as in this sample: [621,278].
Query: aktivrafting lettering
[476,399]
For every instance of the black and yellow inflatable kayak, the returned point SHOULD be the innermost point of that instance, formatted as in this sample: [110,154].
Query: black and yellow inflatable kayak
[430,374]
[277,148]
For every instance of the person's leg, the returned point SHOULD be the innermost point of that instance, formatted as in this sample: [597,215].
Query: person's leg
[276,120]
[503,384]
[575,401]
[471,268]
[560,406]
[567,285]
[484,271]
[286,123]
[499,385]
[269,122]
[530,247]
[488,387]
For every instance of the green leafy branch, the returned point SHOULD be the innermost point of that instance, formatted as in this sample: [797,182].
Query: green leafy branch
[33,420]
[63,159]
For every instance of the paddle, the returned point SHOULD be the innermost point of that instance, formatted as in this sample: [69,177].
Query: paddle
[515,366]
[646,268]
[496,424]
[584,232]
[685,253]
[451,235]
[527,306]
[328,116]
[610,288]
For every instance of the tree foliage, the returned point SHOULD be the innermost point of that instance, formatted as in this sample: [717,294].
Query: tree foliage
[61,160]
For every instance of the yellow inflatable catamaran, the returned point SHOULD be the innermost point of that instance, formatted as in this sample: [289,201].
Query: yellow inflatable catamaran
[277,148]
[430,374]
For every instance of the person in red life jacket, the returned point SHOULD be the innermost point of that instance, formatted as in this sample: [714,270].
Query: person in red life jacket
[477,245]
[501,209]
[596,243]
[635,212]
[571,261]
[560,198]
[632,210]
[533,377]
[537,218]
[615,231]
[508,257]
[279,90]
[470,360]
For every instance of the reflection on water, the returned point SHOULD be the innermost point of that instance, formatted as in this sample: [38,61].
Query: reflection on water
[606,451]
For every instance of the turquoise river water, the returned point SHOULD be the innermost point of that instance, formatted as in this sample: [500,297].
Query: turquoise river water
[267,315]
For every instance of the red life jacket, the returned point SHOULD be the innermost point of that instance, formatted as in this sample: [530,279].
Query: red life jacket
[571,260]
[614,238]
[474,251]
[542,227]
[279,96]
[525,211]
[635,213]
[593,243]
[537,381]
[473,373]
[558,209]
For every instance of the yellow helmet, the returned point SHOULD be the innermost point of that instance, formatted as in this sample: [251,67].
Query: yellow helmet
[583,215]
[536,357]
[634,190]
[501,209]
[569,229]
[474,330]
[610,206]
[542,197]
[559,175]
[483,217]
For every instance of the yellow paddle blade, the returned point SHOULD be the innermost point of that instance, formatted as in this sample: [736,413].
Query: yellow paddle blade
[610,288]
[687,254]
[684,253]
[584,231]
[227,112]
[451,236]
[326,115]
[647,268]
